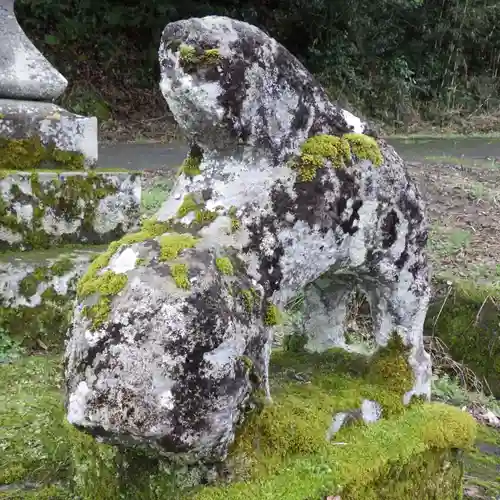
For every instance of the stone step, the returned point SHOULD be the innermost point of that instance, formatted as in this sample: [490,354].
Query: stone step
[37,292]
[46,208]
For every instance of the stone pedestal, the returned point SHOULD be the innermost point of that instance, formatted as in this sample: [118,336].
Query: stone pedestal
[52,124]
[28,85]
[44,209]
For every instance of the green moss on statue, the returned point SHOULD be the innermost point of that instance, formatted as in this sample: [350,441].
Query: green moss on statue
[272,315]
[224,265]
[188,205]
[365,147]
[98,313]
[338,150]
[180,275]
[192,58]
[172,244]
[191,165]
[250,297]
[31,153]
[316,150]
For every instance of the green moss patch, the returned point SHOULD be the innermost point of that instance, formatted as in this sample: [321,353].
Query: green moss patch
[286,454]
[224,265]
[192,58]
[364,147]
[465,317]
[180,275]
[172,244]
[338,150]
[191,165]
[281,452]
[31,153]
[272,315]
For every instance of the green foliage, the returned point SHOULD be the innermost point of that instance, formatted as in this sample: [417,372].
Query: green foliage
[466,320]
[392,59]
[10,349]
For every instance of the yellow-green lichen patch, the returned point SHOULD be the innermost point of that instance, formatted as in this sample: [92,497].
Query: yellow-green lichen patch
[108,283]
[235,222]
[293,459]
[192,58]
[272,315]
[172,244]
[204,217]
[191,165]
[250,296]
[181,276]
[31,153]
[188,205]
[365,147]
[98,313]
[187,53]
[316,150]
[224,265]
[150,229]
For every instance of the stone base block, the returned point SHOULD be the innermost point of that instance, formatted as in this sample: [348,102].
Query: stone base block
[37,290]
[53,125]
[43,209]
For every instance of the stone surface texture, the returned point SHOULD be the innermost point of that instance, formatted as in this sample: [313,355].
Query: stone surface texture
[45,209]
[24,71]
[174,363]
[52,124]
[56,272]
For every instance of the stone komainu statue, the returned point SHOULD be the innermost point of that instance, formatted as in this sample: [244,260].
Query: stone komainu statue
[282,192]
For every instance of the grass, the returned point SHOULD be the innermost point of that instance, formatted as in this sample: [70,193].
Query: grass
[292,460]
[445,242]
[34,444]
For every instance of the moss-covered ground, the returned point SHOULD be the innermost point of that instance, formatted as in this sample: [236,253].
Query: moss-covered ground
[281,454]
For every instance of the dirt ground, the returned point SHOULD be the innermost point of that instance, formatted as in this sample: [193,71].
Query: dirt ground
[463,206]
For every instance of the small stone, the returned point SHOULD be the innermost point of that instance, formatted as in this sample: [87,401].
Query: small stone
[24,72]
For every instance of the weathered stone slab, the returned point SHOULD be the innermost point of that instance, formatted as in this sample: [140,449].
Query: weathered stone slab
[44,209]
[24,71]
[37,291]
[52,125]
[172,331]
